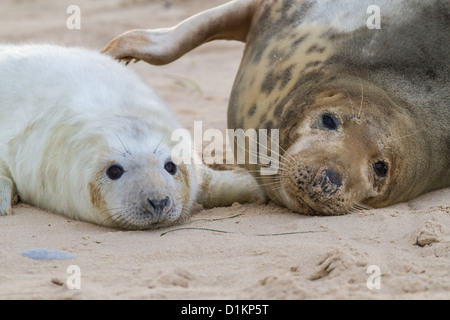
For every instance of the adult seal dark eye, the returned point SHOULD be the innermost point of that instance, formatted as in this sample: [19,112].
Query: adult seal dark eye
[170,167]
[330,122]
[115,172]
[381,169]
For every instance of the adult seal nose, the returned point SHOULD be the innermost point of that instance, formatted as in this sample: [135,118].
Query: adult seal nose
[331,177]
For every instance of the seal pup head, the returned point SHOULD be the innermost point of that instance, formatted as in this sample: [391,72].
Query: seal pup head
[136,185]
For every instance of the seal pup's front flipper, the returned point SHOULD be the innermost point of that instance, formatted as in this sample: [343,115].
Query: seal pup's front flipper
[7,196]
[222,188]
[230,21]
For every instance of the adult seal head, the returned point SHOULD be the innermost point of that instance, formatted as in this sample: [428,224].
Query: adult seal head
[362,112]
[85,137]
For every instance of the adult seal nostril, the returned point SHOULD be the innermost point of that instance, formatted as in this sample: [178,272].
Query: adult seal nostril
[332,177]
[159,206]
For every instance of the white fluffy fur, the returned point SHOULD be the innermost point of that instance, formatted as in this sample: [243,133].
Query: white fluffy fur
[68,113]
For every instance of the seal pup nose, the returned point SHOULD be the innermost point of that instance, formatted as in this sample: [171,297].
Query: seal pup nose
[158,205]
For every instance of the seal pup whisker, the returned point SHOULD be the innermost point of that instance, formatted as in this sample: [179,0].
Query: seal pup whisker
[114,218]
[163,150]
[160,142]
[119,151]
[123,145]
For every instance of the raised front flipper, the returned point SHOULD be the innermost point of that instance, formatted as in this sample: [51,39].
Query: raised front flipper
[230,21]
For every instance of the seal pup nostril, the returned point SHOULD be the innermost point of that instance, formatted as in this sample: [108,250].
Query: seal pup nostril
[168,202]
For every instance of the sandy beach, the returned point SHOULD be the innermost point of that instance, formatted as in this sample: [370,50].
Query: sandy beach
[241,252]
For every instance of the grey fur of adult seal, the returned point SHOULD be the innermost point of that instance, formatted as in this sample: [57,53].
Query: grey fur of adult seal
[363,113]
[85,137]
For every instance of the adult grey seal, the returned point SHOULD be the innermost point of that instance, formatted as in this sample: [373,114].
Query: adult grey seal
[363,112]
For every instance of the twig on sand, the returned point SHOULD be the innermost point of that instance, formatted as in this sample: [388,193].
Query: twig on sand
[231,232]
[215,219]
[203,229]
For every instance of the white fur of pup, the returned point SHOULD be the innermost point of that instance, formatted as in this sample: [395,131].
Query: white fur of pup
[67,115]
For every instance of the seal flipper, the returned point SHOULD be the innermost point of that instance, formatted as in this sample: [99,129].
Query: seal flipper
[230,21]
[223,188]
[8,196]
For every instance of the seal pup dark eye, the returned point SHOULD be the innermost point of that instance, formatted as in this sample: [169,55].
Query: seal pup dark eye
[381,169]
[115,172]
[170,167]
[330,122]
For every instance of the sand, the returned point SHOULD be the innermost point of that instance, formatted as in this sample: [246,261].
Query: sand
[264,251]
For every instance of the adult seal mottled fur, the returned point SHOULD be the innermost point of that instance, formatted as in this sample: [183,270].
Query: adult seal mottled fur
[363,113]
[83,136]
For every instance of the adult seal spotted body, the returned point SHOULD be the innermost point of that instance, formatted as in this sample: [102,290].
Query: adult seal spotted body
[363,113]
[83,136]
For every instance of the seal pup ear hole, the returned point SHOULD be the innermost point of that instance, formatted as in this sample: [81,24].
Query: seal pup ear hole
[170,167]
[381,169]
[115,172]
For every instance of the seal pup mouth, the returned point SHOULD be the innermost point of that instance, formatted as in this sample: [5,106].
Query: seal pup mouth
[142,219]
[147,210]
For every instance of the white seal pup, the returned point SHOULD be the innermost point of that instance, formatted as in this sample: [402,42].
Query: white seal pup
[83,136]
